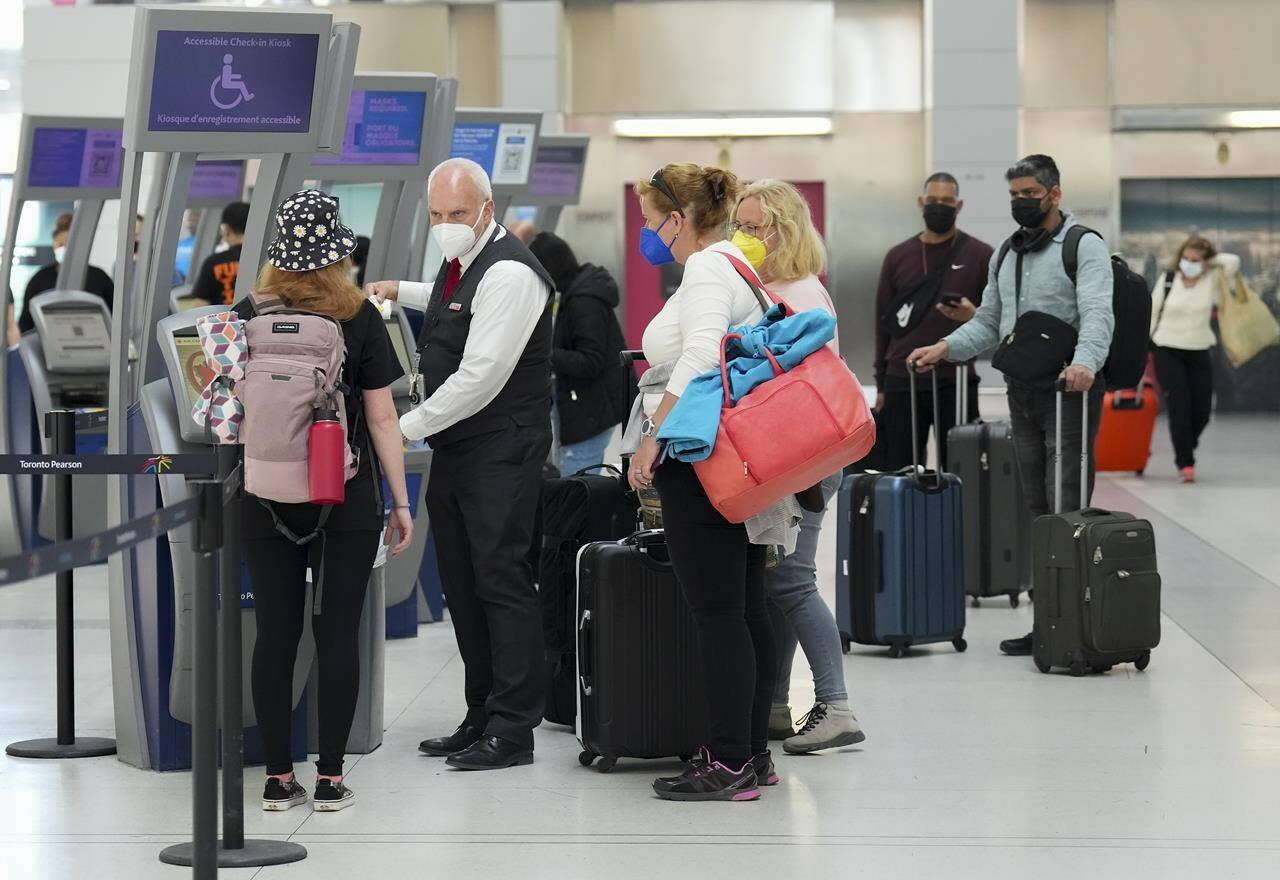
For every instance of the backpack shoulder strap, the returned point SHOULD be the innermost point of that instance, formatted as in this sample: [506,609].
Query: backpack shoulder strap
[1004,252]
[1071,249]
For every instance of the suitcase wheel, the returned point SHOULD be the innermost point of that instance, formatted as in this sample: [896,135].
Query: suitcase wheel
[1139,472]
[1042,666]
[977,603]
[898,649]
[1102,667]
[1143,661]
[1078,668]
[1013,600]
[960,644]
[606,764]
[586,759]
[844,644]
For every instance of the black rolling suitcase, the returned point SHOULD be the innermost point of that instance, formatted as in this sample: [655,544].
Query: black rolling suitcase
[576,510]
[640,691]
[1097,599]
[997,521]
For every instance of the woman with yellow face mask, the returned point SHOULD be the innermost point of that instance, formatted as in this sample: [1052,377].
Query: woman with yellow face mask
[773,228]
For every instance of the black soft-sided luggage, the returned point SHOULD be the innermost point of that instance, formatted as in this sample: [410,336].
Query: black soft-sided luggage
[640,690]
[1097,587]
[997,522]
[576,510]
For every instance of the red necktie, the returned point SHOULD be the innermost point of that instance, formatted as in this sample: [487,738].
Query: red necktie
[451,280]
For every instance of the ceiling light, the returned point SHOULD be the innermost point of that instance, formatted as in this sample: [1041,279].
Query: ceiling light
[723,127]
[1254,118]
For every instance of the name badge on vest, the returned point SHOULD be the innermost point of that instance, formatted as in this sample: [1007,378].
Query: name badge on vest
[455,307]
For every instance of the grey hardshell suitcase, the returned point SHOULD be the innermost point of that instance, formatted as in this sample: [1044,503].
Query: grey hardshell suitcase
[1097,590]
[997,521]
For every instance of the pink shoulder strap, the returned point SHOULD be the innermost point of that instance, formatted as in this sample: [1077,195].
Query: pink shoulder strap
[753,281]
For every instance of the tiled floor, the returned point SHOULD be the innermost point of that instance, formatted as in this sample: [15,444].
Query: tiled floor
[975,765]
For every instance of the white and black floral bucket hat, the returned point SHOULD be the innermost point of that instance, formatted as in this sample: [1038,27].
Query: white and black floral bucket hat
[309,233]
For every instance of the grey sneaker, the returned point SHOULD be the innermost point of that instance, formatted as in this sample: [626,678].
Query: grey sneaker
[824,727]
[780,724]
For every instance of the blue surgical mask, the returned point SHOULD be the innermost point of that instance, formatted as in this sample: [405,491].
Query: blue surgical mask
[655,251]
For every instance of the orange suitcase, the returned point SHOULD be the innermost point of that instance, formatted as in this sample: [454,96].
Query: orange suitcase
[1124,437]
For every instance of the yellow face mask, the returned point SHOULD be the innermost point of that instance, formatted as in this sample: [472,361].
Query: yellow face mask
[752,248]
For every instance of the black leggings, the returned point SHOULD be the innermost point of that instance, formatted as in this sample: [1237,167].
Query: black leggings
[1187,380]
[722,576]
[277,569]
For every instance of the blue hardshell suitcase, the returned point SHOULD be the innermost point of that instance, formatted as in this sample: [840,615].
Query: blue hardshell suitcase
[900,572]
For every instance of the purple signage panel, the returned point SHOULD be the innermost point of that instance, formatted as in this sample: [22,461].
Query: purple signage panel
[85,158]
[209,81]
[383,128]
[217,181]
[557,171]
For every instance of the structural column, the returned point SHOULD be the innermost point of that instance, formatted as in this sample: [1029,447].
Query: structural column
[530,32]
[972,92]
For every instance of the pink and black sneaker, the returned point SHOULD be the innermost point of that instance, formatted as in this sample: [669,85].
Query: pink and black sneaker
[765,772]
[706,779]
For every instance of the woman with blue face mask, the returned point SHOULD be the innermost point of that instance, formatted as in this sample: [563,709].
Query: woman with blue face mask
[686,214]
[1181,338]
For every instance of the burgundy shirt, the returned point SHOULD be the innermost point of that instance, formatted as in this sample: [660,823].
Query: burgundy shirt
[905,266]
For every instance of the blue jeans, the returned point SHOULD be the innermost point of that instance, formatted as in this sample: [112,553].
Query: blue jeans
[584,454]
[800,616]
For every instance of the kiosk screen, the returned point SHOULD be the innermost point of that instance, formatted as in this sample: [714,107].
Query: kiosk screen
[75,340]
[196,374]
[504,149]
[76,157]
[210,81]
[383,128]
[217,181]
[557,172]
[398,343]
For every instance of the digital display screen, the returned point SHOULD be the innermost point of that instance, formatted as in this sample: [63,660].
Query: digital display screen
[75,339]
[217,181]
[210,81]
[397,342]
[196,374]
[383,128]
[505,150]
[87,158]
[557,172]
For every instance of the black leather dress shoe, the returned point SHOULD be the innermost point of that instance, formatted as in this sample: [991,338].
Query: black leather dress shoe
[1017,647]
[444,746]
[491,753]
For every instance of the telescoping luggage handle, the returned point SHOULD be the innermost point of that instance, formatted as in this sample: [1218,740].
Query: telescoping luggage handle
[917,462]
[1060,387]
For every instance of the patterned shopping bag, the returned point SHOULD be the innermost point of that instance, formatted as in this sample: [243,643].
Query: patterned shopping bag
[226,351]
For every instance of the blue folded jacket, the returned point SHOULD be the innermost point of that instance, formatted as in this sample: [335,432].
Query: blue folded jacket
[690,428]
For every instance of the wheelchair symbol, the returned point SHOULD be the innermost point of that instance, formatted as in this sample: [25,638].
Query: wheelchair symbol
[230,82]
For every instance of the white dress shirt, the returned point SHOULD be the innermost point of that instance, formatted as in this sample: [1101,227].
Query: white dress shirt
[504,313]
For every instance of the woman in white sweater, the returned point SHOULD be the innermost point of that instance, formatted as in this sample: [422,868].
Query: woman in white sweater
[1181,335]
[686,212]
[773,226]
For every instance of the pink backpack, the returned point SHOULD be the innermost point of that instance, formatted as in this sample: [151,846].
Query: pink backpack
[294,367]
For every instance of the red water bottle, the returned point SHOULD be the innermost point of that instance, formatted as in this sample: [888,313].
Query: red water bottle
[327,458]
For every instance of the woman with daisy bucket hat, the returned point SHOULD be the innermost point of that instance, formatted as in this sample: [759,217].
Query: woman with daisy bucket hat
[307,271]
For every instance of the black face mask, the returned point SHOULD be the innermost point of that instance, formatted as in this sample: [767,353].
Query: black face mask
[939,218]
[1027,212]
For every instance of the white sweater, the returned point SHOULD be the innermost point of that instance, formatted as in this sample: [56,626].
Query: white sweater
[711,298]
[1181,320]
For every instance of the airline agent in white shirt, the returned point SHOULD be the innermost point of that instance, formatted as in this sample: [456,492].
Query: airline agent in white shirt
[484,382]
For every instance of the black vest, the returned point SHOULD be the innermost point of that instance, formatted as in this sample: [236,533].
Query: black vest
[526,398]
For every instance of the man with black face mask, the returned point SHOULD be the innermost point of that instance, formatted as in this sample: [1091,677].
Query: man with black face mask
[1030,277]
[930,284]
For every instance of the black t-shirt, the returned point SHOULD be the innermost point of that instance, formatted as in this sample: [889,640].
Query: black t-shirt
[371,363]
[216,281]
[96,282]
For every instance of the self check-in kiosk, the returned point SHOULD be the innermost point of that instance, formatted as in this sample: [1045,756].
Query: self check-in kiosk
[555,182]
[218,84]
[59,159]
[215,184]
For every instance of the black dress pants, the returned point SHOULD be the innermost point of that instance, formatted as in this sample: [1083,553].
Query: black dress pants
[722,577]
[893,422]
[482,498]
[1187,380]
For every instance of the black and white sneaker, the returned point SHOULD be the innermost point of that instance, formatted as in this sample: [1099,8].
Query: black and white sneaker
[332,796]
[279,796]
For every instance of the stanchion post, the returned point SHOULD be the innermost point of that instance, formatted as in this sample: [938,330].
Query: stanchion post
[204,711]
[60,428]
[232,663]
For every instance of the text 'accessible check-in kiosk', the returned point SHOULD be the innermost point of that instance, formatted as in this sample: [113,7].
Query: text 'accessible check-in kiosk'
[220,84]
[59,159]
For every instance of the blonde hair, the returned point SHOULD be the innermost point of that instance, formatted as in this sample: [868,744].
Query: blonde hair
[328,291]
[800,251]
[705,193]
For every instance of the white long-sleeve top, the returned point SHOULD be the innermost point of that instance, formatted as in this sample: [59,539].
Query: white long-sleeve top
[504,312]
[1181,319]
[711,298]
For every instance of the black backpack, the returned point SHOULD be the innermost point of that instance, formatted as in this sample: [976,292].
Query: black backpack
[1130,303]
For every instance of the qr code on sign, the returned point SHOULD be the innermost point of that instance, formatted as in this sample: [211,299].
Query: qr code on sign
[511,157]
[100,163]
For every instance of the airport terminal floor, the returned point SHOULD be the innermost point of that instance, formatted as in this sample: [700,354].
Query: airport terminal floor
[975,765]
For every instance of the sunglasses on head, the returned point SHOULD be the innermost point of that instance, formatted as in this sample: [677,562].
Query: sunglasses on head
[661,186]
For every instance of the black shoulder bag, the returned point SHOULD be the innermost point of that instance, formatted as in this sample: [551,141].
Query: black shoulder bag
[1040,345]
[908,309]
